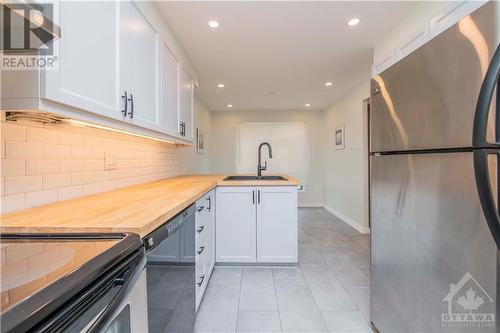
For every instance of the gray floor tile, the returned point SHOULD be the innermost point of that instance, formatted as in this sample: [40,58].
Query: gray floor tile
[226,275]
[345,321]
[216,321]
[289,275]
[306,320]
[221,297]
[329,290]
[258,297]
[257,276]
[259,321]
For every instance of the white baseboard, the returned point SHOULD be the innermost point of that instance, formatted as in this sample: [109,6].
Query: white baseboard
[347,220]
[311,205]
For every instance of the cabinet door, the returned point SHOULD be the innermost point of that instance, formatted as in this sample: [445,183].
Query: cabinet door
[277,224]
[143,69]
[186,103]
[89,76]
[235,224]
[169,107]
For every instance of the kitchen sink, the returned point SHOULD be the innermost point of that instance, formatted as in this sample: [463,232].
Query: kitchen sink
[243,177]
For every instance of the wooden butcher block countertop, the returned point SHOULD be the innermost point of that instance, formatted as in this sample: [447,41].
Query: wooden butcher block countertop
[139,209]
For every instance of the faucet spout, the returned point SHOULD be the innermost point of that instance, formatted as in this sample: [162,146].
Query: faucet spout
[260,168]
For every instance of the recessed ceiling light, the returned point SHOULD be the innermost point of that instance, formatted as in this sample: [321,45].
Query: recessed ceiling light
[220,85]
[328,84]
[213,24]
[230,105]
[307,105]
[353,21]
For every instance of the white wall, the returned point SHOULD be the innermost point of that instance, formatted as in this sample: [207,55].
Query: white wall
[224,145]
[345,174]
[190,161]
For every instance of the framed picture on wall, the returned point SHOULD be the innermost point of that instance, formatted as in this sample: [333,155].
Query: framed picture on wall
[339,137]
[200,141]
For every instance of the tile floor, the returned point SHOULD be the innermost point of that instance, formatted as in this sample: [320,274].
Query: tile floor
[327,292]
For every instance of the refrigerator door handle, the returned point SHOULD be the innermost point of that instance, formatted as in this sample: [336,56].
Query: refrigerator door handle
[480,128]
[485,192]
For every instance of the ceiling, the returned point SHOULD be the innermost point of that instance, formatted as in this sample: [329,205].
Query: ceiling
[278,55]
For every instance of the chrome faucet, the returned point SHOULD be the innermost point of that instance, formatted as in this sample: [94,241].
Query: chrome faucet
[260,168]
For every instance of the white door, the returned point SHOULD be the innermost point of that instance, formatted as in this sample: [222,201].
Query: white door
[169,107]
[277,224]
[143,69]
[235,224]
[89,76]
[186,104]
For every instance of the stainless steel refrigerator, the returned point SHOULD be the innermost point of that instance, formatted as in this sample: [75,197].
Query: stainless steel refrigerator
[434,183]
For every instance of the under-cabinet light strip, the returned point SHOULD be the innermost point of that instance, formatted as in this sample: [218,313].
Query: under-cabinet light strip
[84,123]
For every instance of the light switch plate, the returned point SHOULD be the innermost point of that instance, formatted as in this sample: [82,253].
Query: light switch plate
[109,161]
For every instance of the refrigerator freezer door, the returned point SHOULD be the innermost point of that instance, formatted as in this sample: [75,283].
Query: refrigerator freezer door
[428,231]
[427,100]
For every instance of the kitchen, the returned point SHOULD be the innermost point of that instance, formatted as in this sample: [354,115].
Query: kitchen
[216,167]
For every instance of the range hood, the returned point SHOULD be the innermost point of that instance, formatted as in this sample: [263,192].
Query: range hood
[32,14]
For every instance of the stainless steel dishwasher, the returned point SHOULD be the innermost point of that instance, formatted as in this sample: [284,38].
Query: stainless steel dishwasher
[171,274]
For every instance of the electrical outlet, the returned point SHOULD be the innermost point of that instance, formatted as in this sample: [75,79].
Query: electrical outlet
[109,161]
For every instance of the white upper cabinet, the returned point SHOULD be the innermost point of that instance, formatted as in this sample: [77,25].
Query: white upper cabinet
[169,107]
[186,105]
[141,66]
[89,76]
[115,68]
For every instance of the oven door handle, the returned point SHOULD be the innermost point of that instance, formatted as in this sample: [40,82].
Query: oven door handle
[126,284]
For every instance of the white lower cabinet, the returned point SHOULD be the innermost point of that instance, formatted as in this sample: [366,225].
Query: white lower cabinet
[236,224]
[277,224]
[204,243]
[256,224]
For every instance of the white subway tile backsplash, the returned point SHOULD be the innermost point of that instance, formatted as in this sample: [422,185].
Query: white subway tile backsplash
[41,135]
[42,164]
[40,167]
[13,132]
[13,167]
[67,138]
[34,199]
[81,152]
[65,166]
[15,149]
[56,181]
[22,184]
[71,192]
[57,151]
[11,203]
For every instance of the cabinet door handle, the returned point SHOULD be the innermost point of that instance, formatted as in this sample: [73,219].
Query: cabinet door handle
[202,278]
[258,197]
[209,203]
[201,249]
[131,100]
[200,229]
[201,208]
[183,129]
[125,102]
[253,197]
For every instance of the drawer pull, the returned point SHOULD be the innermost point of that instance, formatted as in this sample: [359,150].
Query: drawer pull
[202,278]
[200,208]
[200,229]
[201,249]
[209,203]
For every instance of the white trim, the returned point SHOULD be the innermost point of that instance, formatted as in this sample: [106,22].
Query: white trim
[311,204]
[347,220]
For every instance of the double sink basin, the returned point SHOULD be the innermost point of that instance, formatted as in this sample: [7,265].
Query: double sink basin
[244,177]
